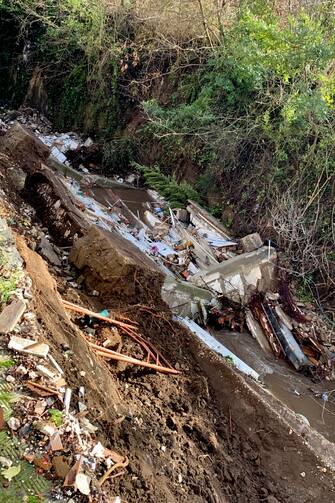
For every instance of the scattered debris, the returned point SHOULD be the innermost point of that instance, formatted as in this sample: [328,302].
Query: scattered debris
[14,423]
[11,315]
[28,346]
[47,251]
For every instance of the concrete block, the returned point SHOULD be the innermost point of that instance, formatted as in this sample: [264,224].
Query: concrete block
[238,277]
[251,242]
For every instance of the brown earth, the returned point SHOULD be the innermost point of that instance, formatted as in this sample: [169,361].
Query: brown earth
[23,148]
[111,265]
[202,436]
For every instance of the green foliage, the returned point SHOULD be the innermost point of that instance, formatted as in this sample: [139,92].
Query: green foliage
[260,116]
[8,286]
[6,363]
[80,43]
[34,499]
[56,417]
[117,155]
[177,193]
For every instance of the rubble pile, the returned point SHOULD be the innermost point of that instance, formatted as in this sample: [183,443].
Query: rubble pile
[243,273]
[47,420]
[57,352]
[27,117]
[58,438]
[202,265]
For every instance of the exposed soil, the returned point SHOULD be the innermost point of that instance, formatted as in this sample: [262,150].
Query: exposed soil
[202,436]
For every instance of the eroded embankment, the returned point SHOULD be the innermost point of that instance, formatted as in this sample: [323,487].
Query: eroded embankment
[204,435]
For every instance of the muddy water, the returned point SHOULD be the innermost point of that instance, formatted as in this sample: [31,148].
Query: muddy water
[296,391]
[133,198]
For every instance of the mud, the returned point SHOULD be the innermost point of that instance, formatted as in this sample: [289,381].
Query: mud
[296,391]
[23,148]
[112,266]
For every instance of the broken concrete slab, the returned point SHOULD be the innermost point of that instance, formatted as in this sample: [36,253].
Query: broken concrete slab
[46,249]
[200,218]
[185,299]
[251,242]
[11,315]
[238,277]
[28,346]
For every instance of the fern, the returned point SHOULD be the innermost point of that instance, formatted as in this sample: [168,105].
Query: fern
[176,193]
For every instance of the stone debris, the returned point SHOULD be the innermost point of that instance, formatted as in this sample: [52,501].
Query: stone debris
[47,250]
[251,242]
[28,346]
[11,315]
[201,263]
[58,442]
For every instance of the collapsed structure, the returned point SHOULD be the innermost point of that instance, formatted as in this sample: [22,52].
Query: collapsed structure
[199,268]
[128,261]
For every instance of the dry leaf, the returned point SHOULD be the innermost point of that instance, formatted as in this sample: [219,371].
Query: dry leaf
[70,478]
[10,473]
[83,483]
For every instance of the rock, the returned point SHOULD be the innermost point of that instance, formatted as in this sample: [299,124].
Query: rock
[28,346]
[45,427]
[11,315]
[10,379]
[21,370]
[251,242]
[82,483]
[88,142]
[272,499]
[43,463]
[14,423]
[98,451]
[5,462]
[40,407]
[45,372]
[17,178]
[82,407]
[56,442]
[47,251]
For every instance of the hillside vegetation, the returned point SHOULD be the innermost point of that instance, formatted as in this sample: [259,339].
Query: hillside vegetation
[236,98]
